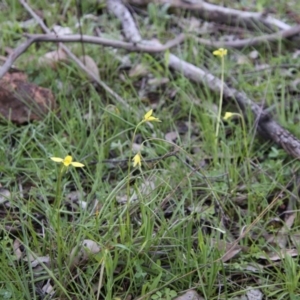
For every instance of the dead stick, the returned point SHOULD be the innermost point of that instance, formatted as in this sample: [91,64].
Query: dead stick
[221,14]
[139,47]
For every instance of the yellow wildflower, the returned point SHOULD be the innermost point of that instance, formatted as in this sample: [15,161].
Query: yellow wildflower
[229,115]
[149,118]
[220,52]
[68,160]
[137,160]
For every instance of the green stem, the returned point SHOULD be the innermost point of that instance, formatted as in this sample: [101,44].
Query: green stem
[57,222]
[128,172]
[221,101]
[57,201]
[245,143]
[130,157]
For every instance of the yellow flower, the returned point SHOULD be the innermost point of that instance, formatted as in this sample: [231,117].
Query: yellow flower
[149,118]
[220,52]
[68,160]
[137,160]
[229,115]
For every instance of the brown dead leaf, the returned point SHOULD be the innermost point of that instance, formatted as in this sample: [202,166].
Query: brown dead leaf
[51,59]
[17,249]
[189,295]
[145,188]
[4,195]
[83,251]
[281,237]
[295,238]
[138,70]
[254,294]
[60,30]
[39,260]
[280,254]
[90,65]
[230,250]
[171,136]
[48,288]
[21,101]
[157,82]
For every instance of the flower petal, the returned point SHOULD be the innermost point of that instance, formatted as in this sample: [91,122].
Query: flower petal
[56,159]
[227,115]
[151,118]
[148,114]
[77,164]
[137,160]
[220,52]
[67,160]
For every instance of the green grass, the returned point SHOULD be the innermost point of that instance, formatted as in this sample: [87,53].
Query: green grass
[167,238]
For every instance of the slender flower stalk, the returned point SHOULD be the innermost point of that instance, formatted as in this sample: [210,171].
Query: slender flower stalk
[229,115]
[221,53]
[56,220]
[148,117]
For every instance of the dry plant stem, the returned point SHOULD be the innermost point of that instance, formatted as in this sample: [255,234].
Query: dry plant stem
[148,47]
[76,60]
[283,34]
[220,14]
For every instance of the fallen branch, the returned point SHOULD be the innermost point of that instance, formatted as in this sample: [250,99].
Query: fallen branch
[149,47]
[133,47]
[220,14]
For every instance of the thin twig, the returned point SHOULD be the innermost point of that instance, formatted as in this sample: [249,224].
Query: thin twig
[283,34]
